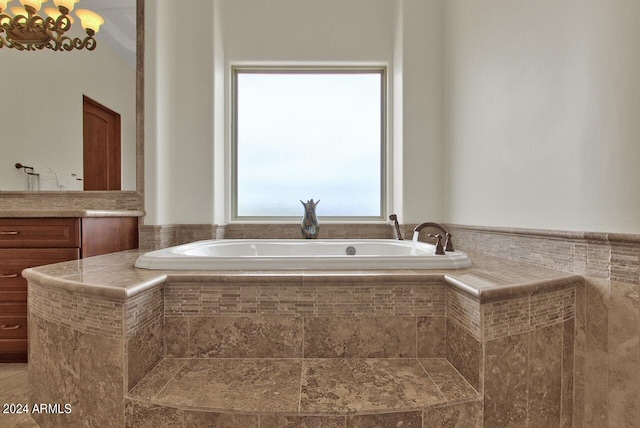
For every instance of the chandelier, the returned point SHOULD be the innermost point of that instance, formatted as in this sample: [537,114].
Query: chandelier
[26,30]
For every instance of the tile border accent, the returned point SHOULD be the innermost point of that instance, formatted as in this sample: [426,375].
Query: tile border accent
[290,296]
[614,256]
[79,313]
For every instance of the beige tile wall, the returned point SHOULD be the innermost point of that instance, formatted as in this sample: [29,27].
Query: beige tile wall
[606,388]
[162,236]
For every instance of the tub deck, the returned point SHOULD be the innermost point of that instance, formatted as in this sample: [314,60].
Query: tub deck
[412,348]
[328,392]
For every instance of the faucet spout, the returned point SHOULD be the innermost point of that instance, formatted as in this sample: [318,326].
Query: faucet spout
[448,246]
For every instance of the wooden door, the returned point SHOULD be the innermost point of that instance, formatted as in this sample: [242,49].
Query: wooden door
[101,146]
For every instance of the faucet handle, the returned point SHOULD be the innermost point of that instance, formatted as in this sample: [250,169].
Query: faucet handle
[439,248]
[448,243]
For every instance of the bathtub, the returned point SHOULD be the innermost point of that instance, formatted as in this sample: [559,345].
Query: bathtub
[279,254]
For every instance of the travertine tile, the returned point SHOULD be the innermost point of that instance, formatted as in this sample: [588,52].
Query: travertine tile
[597,308]
[246,337]
[624,320]
[194,419]
[622,408]
[598,260]
[321,295]
[460,415]
[143,310]
[125,200]
[451,383]
[507,317]
[402,419]
[465,353]
[176,337]
[505,383]
[292,231]
[145,415]
[465,311]
[157,378]
[567,381]
[250,385]
[143,351]
[596,395]
[580,343]
[284,421]
[360,337]
[102,381]
[365,385]
[431,337]
[54,371]
[625,263]
[15,389]
[195,232]
[77,312]
[545,376]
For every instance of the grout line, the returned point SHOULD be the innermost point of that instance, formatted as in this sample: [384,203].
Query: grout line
[301,368]
[416,342]
[462,377]
[562,379]
[527,415]
[430,378]
[170,379]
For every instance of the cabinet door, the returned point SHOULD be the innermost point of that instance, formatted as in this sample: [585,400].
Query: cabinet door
[108,235]
[39,232]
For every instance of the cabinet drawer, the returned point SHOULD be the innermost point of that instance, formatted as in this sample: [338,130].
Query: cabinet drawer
[13,296]
[13,309]
[13,328]
[39,232]
[13,350]
[14,261]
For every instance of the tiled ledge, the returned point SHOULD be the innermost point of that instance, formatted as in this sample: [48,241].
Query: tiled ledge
[592,236]
[611,256]
[326,390]
[114,277]
[125,321]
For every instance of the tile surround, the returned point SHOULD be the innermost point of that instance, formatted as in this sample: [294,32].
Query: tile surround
[237,305]
[606,356]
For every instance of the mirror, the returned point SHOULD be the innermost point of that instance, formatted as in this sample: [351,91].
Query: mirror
[44,104]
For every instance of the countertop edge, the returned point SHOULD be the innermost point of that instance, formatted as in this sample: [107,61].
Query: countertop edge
[71,213]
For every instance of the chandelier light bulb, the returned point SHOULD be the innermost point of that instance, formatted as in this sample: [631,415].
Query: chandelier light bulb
[3,5]
[35,4]
[55,13]
[90,21]
[19,10]
[67,4]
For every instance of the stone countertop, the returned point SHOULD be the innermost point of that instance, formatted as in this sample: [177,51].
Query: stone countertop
[57,213]
[114,277]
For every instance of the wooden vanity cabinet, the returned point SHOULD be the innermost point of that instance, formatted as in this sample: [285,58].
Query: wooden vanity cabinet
[30,242]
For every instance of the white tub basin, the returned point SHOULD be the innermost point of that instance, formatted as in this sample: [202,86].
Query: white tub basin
[277,254]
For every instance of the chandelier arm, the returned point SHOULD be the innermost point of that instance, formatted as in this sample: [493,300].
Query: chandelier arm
[6,23]
[33,32]
[89,43]
[60,25]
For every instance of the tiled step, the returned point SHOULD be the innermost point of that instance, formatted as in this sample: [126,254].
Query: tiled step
[338,390]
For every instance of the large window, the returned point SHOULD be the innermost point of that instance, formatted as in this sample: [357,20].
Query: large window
[303,133]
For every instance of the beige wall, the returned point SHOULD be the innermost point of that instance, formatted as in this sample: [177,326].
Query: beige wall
[42,109]
[542,107]
[186,99]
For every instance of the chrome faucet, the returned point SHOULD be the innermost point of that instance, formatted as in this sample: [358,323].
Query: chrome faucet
[394,219]
[448,245]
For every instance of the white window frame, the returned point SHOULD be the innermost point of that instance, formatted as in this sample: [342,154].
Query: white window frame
[384,138]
